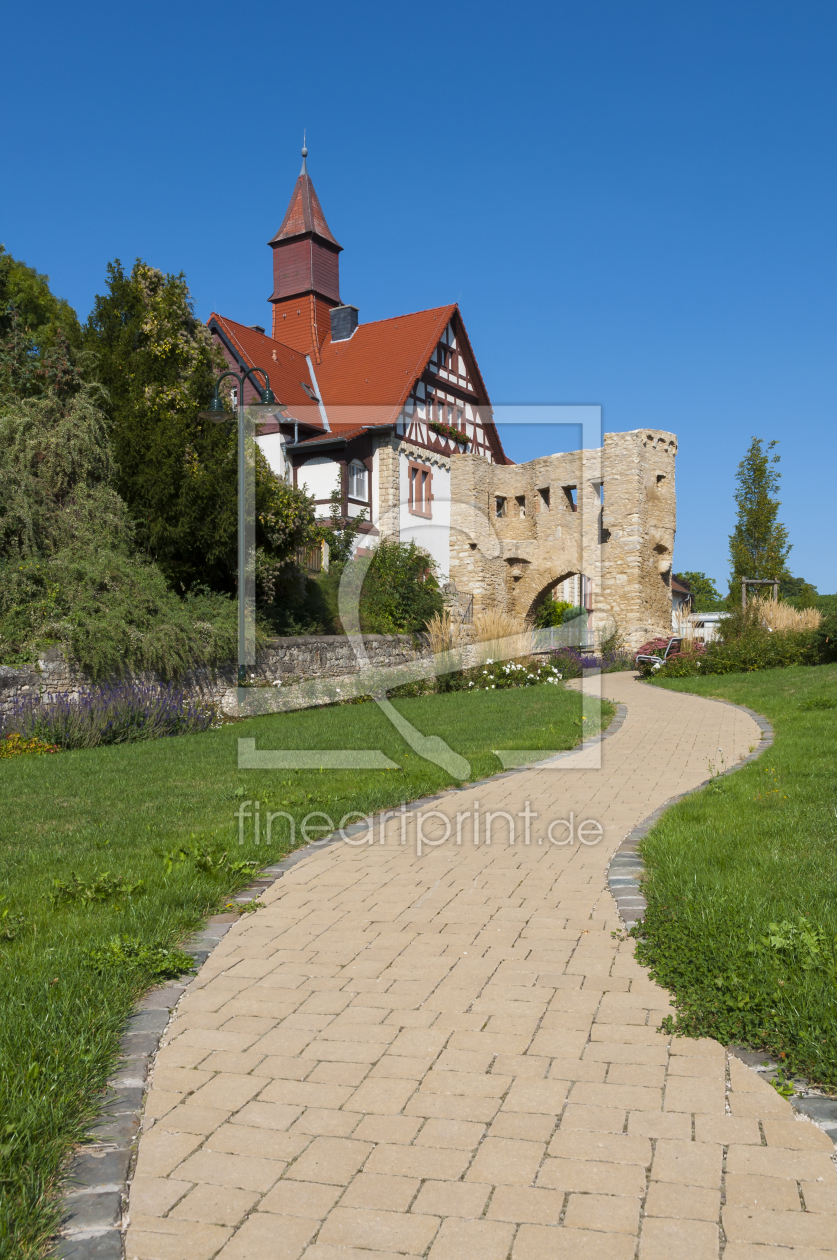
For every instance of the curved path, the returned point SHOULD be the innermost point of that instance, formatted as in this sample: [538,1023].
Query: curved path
[455,1055]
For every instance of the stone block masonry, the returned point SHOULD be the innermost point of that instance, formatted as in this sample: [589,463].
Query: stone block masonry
[517,530]
[294,659]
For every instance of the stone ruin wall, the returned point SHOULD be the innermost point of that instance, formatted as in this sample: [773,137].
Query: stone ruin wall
[624,546]
[286,661]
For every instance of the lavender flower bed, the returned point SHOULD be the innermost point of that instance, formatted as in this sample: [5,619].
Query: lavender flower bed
[117,714]
[572,662]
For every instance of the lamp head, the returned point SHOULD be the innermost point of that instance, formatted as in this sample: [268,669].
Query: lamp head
[216,412]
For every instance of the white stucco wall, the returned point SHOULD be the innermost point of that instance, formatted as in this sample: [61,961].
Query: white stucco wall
[272,446]
[434,534]
[319,475]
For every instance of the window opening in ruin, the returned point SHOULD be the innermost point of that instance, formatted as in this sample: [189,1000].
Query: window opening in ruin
[572,497]
[660,479]
[598,487]
[520,500]
[543,499]
[357,480]
[499,506]
[419,490]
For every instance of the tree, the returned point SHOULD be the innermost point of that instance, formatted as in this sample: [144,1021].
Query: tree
[705,595]
[803,594]
[40,336]
[176,472]
[759,545]
[69,572]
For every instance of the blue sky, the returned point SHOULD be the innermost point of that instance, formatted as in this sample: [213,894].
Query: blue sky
[633,204]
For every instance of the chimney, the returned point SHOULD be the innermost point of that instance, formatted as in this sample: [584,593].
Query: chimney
[343,322]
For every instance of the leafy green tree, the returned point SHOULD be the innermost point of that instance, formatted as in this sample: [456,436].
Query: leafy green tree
[705,595]
[40,336]
[25,293]
[176,472]
[759,544]
[799,592]
[551,613]
[69,572]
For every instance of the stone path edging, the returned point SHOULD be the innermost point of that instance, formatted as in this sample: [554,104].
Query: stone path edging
[623,880]
[626,866]
[91,1223]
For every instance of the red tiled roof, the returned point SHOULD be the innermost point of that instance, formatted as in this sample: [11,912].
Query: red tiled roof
[379,364]
[286,368]
[340,431]
[304,214]
[363,381]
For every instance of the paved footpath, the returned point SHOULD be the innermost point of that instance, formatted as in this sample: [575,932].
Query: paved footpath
[454,1055]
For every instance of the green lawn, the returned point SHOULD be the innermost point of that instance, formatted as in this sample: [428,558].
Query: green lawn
[742,881]
[111,813]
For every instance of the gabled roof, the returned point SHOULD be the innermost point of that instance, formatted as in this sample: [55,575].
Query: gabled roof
[287,368]
[381,362]
[304,214]
[364,381]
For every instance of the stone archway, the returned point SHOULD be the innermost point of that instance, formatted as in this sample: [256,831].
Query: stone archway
[533,587]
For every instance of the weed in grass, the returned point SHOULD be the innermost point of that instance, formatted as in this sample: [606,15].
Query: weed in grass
[819,702]
[771,792]
[153,962]
[11,924]
[104,887]
[214,862]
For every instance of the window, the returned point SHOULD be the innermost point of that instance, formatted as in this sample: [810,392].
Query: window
[357,481]
[543,499]
[520,500]
[419,490]
[572,497]
[499,506]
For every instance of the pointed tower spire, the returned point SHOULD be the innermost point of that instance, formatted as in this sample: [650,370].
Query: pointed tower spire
[306,269]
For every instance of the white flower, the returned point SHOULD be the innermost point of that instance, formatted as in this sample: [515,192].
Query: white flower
[489,662]
[470,684]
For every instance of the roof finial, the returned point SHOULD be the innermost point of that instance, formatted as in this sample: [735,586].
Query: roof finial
[304,170]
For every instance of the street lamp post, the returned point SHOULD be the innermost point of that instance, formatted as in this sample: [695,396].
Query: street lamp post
[218,414]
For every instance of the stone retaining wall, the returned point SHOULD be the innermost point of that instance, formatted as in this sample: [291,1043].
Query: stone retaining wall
[294,659]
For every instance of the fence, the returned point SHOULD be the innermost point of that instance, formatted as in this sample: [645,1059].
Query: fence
[310,558]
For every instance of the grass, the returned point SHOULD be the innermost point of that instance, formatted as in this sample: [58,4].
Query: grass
[741,881]
[111,855]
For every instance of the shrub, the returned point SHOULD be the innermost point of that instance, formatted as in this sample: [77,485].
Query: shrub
[400,593]
[755,649]
[118,714]
[551,613]
[825,639]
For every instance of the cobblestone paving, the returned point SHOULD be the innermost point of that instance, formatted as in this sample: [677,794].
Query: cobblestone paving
[454,1055]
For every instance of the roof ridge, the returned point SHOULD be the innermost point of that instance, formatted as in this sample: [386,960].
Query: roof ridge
[428,310]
